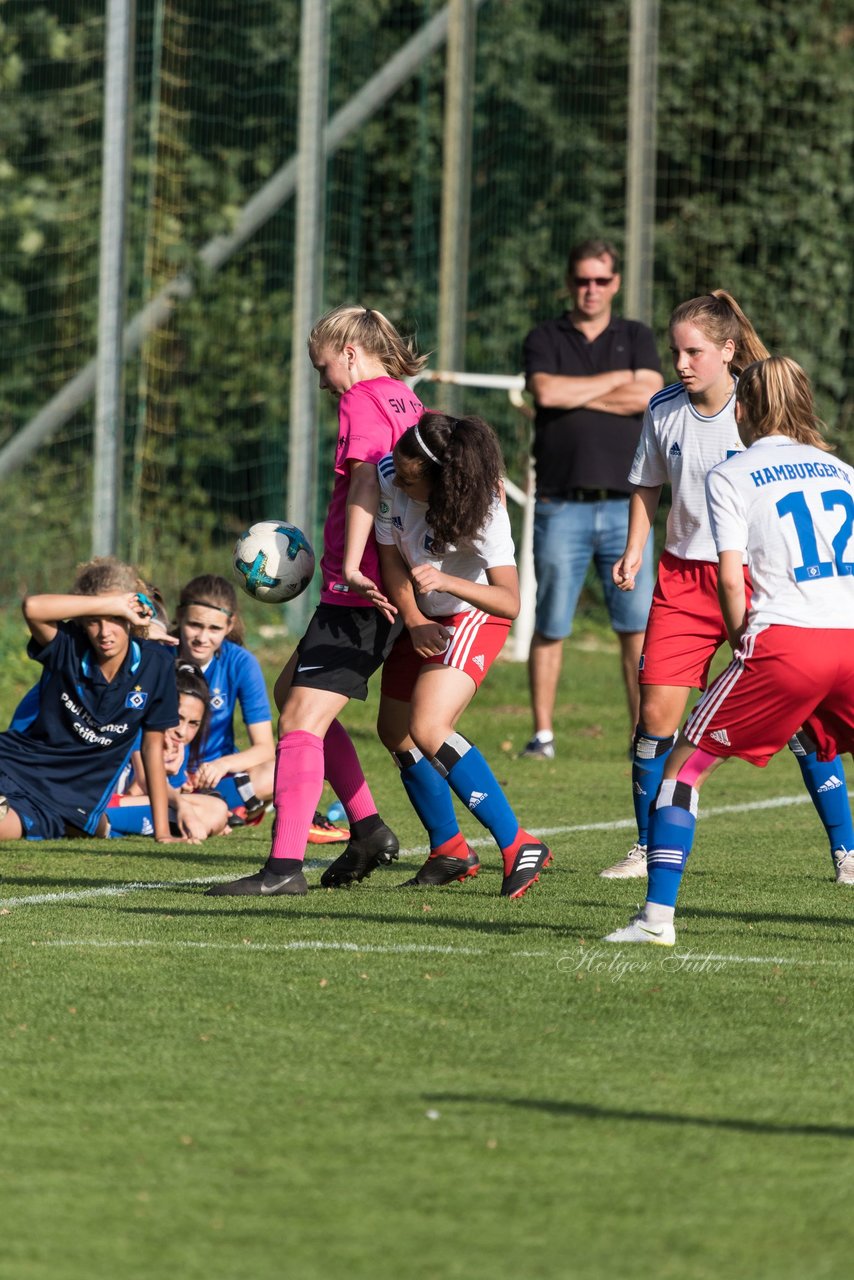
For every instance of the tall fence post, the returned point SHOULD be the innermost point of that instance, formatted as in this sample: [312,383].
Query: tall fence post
[109,380]
[456,193]
[641,168]
[308,274]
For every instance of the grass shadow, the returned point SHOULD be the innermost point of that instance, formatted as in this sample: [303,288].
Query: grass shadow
[588,1111]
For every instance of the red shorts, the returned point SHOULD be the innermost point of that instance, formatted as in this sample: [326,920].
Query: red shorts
[685,627]
[779,680]
[476,642]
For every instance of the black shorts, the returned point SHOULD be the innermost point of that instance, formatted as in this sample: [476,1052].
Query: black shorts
[342,649]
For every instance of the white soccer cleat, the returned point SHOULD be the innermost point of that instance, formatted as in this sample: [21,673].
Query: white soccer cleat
[632,867]
[843,860]
[640,930]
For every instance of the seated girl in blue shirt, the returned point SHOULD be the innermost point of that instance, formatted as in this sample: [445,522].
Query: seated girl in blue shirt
[193,814]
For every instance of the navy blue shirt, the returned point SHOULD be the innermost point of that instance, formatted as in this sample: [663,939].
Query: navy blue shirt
[72,753]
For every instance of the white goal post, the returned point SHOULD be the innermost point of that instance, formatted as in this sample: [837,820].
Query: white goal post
[514,385]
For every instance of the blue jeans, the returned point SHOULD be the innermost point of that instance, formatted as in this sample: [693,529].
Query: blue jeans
[567,535]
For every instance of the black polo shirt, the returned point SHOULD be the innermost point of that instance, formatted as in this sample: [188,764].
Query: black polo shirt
[582,448]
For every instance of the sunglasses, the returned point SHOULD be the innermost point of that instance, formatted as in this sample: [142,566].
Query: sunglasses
[584,282]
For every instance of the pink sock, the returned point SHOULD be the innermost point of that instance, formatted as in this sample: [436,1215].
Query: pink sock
[297,785]
[344,773]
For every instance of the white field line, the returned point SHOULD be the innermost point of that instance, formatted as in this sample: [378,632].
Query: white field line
[701,959]
[752,806]
[619,824]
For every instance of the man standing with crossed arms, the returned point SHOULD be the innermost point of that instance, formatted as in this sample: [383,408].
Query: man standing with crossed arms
[591,375]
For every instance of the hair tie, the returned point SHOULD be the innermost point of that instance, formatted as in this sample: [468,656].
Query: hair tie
[206,604]
[422,446]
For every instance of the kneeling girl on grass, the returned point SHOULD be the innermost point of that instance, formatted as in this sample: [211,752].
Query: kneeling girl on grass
[448,566]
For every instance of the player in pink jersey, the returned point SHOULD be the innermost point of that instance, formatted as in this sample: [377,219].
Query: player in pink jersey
[361,359]
[689,428]
[790,509]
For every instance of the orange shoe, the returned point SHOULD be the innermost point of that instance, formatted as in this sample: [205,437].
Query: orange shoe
[322,831]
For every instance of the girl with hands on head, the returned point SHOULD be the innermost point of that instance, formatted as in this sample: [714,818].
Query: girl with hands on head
[102,685]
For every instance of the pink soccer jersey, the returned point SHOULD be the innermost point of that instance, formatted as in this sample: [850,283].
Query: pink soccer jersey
[372,416]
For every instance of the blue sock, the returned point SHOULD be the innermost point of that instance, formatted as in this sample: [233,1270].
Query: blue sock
[474,782]
[429,795]
[825,781]
[649,756]
[671,838]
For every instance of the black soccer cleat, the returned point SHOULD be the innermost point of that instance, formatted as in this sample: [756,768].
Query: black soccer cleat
[531,857]
[444,869]
[263,883]
[361,857]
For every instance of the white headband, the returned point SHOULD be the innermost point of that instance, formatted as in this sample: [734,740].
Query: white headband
[422,446]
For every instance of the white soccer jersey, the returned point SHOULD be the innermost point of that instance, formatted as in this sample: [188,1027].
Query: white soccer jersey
[402,522]
[792,508]
[679,446]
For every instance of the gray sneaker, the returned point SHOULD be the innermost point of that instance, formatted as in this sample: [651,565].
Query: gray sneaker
[843,860]
[536,749]
[632,867]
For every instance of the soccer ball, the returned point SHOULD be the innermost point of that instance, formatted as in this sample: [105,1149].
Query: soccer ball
[273,561]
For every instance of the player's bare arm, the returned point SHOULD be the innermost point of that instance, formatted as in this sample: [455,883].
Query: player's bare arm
[643,505]
[427,635]
[362,501]
[498,596]
[43,613]
[732,595]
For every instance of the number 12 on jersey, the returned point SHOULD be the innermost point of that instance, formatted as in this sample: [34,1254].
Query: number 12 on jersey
[795,505]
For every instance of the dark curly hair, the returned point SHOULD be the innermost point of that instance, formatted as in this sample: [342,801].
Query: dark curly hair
[189,679]
[464,472]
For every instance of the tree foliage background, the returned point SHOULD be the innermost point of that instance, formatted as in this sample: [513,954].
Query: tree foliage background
[754,193]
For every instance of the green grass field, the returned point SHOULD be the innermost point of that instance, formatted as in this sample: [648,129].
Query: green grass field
[437,1084]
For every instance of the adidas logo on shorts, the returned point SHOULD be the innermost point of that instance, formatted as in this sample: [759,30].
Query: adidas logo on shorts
[721,736]
[478,661]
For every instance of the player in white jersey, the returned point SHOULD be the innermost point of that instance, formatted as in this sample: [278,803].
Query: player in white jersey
[790,509]
[688,429]
[448,565]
